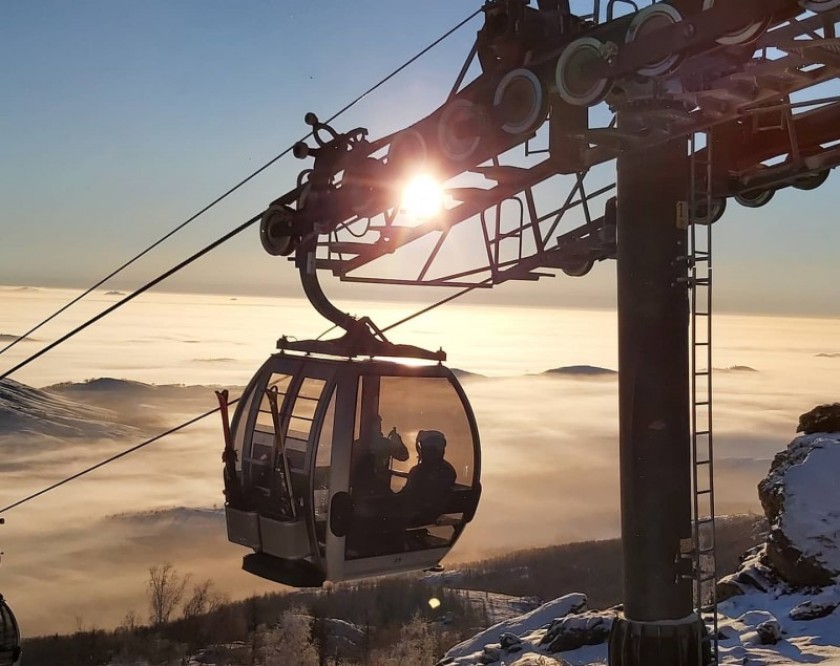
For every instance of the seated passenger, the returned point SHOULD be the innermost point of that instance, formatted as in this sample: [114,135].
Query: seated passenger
[370,473]
[428,487]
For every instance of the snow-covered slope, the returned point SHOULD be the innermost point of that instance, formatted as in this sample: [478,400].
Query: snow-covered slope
[748,627]
[26,411]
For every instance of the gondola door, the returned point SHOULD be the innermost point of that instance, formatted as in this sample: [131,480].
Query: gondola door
[357,421]
[375,527]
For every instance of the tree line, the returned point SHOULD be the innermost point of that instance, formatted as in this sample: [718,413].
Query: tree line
[387,621]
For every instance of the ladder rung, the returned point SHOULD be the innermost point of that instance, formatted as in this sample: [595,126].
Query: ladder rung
[701,344]
[701,314]
[705,491]
[704,521]
[702,432]
[700,463]
[702,373]
[701,403]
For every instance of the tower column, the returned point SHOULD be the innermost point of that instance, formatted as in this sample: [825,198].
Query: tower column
[659,627]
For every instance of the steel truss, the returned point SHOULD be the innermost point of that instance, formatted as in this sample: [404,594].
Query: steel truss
[750,97]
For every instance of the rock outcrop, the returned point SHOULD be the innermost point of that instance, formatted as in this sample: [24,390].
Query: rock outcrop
[801,498]
[537,637]
[824,418]
[575,631]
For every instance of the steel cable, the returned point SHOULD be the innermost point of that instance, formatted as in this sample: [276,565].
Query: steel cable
[198,418]
[132,296]
[183,264]
[233,189]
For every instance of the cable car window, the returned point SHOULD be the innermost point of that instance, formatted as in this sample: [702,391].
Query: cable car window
[412,465]
[265,422]
[412,404]
[262,462]
[6,637]
[323,454]
[303,412]
[239,434]
[259,465]
[311,388]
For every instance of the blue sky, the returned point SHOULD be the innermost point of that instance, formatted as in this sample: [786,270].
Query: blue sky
[118,120]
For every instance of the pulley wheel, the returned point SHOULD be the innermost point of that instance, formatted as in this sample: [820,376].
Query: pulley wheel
[704,217]
[407,151]
[578,268]
[812,181]
[744,35]
[520,102]
[459,129]
[574,84]
[755,198]
[819,6]
[367,185]
[650,20]
[276,232]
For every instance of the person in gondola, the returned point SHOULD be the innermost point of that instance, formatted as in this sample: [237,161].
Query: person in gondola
[372,453]
[428,487]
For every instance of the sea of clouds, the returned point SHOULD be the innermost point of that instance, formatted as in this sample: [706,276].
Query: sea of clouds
[549,454]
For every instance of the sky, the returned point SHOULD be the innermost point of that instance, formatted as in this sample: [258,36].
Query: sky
[120,120]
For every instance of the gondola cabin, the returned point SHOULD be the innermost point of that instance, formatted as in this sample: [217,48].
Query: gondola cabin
[339,469]
[9,636]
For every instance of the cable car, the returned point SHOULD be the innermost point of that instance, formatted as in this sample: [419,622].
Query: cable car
[349,458]
[9,636]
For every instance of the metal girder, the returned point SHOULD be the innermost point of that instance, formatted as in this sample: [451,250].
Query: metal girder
[728,89]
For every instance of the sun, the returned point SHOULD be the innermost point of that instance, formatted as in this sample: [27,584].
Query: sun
[422,197]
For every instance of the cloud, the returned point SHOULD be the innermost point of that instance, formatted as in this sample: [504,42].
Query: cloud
[581,371]
[11,337]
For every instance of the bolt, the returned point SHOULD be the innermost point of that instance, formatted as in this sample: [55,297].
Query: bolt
[689,30]
[609,52]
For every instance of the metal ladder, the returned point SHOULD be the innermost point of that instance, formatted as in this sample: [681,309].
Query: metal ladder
[702,442]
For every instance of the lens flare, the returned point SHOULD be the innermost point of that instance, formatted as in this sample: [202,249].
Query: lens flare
[422,197]
[434,603]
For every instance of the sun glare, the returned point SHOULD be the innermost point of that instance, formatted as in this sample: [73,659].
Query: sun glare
[422,197]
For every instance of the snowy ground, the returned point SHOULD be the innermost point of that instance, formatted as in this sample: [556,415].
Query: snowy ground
[814,641]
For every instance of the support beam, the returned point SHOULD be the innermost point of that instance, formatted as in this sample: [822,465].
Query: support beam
[659,627]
